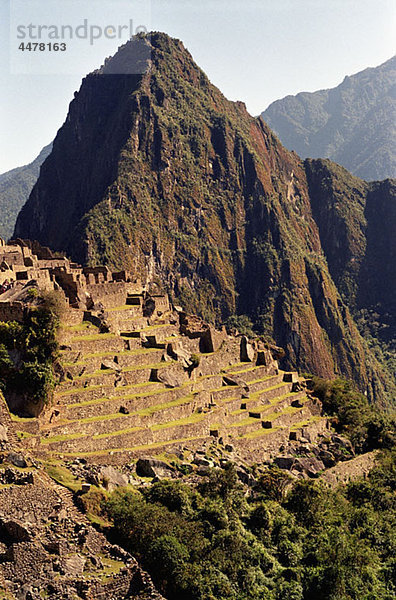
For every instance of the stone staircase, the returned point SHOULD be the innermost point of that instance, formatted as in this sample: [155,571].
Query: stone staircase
[122,394]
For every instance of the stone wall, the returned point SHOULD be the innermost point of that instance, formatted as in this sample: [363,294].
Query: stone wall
[110,294]
[11,311]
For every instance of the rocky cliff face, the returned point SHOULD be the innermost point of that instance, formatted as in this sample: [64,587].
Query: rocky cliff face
[357,224]
[161,174]
[353,124]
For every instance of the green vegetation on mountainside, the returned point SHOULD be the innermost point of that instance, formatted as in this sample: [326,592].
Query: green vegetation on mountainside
[353,124]
[15,188]
[366,426]
[214,541]
[188,188]
[356,222]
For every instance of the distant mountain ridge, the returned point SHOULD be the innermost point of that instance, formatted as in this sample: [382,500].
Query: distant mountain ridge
[160,174]
[15,188]
[353,124]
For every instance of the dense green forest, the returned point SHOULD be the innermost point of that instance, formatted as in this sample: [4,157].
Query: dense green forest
[216,541]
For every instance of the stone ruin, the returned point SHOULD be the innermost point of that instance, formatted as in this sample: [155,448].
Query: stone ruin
[138,380]
[25,264]
[136,373]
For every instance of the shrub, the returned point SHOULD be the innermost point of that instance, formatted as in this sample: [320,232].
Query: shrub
[199,543]
[28,350]
[366,426]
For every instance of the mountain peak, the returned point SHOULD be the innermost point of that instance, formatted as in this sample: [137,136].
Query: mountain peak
[135,56]
[160,174]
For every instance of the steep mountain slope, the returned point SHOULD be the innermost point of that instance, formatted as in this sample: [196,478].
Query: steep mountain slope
[161,174]
[15,187]
[353,124]
[357,224]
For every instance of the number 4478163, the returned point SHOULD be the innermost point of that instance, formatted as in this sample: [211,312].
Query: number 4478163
[41,46]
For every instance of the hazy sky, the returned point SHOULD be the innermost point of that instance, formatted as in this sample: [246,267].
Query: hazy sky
[253,50]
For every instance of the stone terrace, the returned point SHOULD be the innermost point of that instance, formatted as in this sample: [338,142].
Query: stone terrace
[143,377]
[138,375]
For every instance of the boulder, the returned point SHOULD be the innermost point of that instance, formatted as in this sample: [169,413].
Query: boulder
[17,459]
[15,531]
[311,465]
[285,462]
[151,467]
[110,364]
[327,458]
[177,352]
[170,377]
[73,566]
[245,477]
[247,352]
[3,434]
[112,478]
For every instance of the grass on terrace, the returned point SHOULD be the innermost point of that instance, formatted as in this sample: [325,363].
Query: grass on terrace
[91,388]
[152,446]
[84,326]
[309,421]
[24,435]
[132,307]
[243,422]
[255,396]
[274,402]
[104,372]
[194,418]
[251,435]
[18,419]
[95,337]
[158,385]
[62,475]
[101,436]
[62,438]
[141,412]
[111,354]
